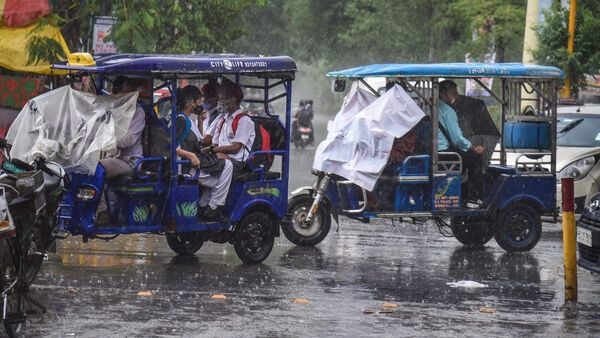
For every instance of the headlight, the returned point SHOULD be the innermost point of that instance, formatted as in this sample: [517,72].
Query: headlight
[578,169]
[86,193]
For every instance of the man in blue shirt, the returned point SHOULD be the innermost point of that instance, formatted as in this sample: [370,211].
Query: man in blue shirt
[451,139]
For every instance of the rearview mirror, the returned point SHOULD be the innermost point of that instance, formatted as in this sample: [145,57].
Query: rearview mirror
[339,85]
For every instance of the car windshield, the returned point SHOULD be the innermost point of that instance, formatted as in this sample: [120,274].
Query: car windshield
[575,130]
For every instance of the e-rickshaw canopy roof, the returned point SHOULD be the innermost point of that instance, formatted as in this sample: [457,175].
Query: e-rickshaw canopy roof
[464,70]
[181,65]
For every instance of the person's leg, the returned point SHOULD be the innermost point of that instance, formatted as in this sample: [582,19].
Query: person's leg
[475,184]
[220,190]
[114,167]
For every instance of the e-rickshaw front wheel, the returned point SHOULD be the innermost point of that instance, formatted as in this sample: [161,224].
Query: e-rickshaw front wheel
[253,237]
[295,227]
[472,231]
[185,243]
[519,228]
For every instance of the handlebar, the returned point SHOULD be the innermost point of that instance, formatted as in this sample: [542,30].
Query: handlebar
[39,163]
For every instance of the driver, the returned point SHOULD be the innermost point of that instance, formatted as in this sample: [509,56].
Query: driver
[451,139]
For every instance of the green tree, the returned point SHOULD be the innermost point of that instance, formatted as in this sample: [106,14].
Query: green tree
[395,31]
[492,26]
[153,26]
[264,30]
[553,37]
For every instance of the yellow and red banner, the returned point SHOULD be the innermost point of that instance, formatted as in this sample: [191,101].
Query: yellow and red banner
[21,13]
[18,26]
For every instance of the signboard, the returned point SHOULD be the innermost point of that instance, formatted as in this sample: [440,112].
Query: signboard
[446,192]
[102,27]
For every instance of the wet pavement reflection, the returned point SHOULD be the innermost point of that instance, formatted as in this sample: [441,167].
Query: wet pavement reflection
[134,286]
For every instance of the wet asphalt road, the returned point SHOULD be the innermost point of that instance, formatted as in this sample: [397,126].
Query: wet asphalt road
[135,286]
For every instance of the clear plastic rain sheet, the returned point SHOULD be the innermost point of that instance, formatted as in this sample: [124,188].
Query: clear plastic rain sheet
[71,127]
[360,139]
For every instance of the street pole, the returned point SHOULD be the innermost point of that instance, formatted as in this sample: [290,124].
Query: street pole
[569,239]
[566,92]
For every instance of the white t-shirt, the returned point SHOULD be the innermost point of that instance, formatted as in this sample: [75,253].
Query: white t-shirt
[244,134]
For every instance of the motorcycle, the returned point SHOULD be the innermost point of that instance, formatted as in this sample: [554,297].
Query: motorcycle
[29,196]
[302,130]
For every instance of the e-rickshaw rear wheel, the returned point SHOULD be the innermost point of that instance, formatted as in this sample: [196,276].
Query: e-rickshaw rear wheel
[519,228]
[472,231]
[253,237]
[294,225]
[185,243]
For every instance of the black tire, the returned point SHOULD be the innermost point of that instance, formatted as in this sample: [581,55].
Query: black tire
[185,243]
[253,237]
[519,228]
[33,258]
[31,248]
[14,320]
[471,231]
[299,232]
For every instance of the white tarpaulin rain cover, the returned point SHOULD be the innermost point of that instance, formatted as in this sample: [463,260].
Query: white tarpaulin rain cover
[71,127]
[359,142]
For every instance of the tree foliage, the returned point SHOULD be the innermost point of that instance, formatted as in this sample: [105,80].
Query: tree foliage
[494,26]
[153,26]
[553,36]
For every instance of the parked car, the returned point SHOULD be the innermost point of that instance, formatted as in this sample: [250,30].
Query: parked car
[578,152]
[588,236]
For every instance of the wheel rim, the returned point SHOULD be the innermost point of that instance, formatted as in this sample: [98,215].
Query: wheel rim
[300,225]
[518,227]
[255,237]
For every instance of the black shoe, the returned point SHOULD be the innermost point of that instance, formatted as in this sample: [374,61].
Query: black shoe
[202,211]
[213,215]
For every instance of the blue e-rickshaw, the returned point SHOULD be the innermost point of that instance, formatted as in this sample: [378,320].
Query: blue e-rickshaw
[519,180]
[162,197]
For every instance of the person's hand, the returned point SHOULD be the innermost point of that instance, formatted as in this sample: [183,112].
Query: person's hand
[222,156]
[479,150]
[195,161]
[205,149]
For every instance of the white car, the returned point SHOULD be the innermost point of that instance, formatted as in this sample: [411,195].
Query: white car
[578,151]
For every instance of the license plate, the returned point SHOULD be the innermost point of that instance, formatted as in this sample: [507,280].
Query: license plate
[305,137]
[584,236]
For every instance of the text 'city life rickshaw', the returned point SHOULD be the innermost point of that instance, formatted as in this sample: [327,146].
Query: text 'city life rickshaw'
[356,177]
[74,128]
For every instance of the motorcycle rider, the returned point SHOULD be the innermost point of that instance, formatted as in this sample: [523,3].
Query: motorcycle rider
[303,118]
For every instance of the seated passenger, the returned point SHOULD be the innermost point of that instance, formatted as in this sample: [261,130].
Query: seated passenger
[210,93]
[129,146]
[451,139]
[227,142]
[215,173]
